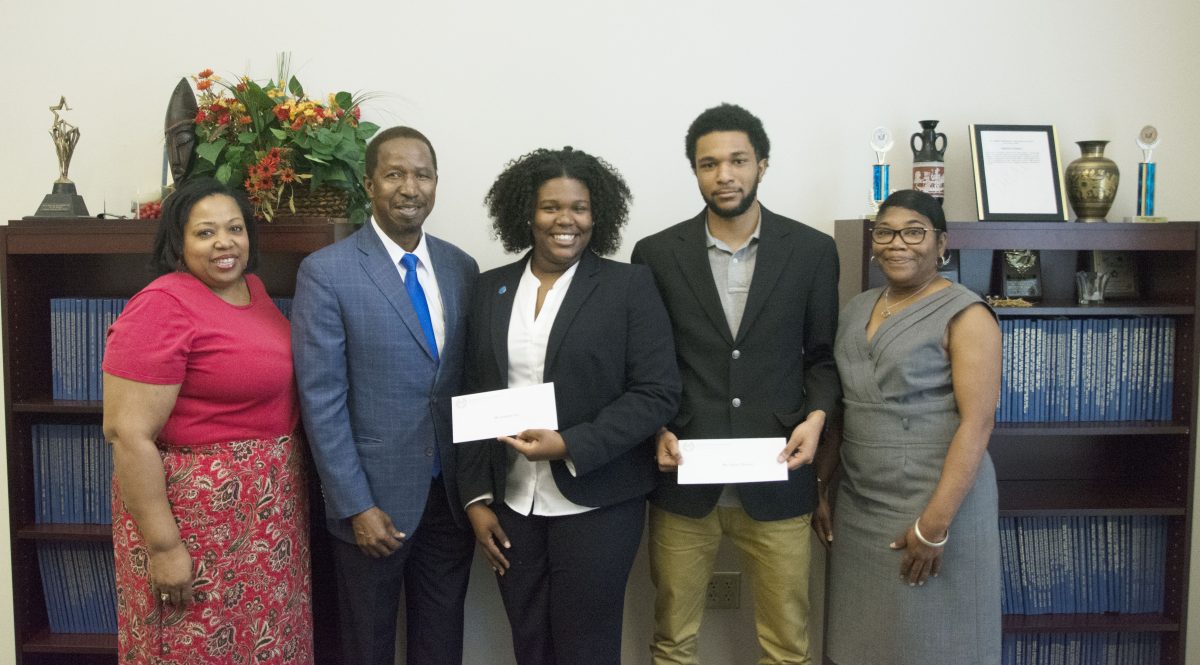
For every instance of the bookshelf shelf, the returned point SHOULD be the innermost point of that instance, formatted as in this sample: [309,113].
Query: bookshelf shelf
[1138,472]
[75,532]
[1089,623]
[45,642]
[88,258]
[48,406]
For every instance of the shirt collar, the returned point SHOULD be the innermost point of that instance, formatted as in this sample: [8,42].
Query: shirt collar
[396,252]
[712,241]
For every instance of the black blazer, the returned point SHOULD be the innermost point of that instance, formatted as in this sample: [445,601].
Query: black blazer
[612,361]
[779,366]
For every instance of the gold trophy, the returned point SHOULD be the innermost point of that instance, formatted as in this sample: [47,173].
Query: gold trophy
[63,200]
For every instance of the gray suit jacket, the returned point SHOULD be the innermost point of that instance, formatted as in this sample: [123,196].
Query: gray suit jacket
[779,366]
[373,400]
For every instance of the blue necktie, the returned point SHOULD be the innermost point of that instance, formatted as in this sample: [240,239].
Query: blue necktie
[417,295]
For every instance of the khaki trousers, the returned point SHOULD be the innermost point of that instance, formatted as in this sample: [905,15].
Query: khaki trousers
[776,555]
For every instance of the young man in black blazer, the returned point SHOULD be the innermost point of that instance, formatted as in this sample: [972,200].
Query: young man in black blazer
[752,298]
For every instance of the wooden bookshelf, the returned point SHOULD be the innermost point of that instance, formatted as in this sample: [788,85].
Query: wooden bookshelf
[50,258]
[1088,468]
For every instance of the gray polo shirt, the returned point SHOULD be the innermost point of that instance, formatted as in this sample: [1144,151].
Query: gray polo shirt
[732,272]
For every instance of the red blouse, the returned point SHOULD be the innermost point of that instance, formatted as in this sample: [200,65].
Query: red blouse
[234,362]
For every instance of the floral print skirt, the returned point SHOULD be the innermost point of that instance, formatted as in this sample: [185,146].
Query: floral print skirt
[242,511]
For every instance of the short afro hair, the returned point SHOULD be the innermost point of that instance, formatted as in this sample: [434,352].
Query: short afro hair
[728,118]
[372,156]
[177,208]
[513,197]
[918,202]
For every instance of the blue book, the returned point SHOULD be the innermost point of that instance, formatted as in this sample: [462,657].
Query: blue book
[57,352]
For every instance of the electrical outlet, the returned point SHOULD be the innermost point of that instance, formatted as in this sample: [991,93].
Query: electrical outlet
[724,591]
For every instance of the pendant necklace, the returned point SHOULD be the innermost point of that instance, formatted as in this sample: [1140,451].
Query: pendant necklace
[888,304]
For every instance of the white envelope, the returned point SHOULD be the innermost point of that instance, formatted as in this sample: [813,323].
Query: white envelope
[503,412]
[731,460]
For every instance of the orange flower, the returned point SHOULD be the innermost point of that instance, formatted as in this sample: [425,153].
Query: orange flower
[203,84]
[244,119]
[205,74]
[287,175]
[298,123]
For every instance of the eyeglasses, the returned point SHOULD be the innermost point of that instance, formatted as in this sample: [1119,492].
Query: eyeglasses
[912,235]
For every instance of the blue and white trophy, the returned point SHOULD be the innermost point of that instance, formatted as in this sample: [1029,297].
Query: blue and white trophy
[1147,140]
[881,142]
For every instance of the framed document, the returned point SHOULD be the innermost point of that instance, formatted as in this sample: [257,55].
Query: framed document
[1018,176]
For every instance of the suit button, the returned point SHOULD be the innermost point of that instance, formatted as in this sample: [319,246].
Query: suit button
[736,402]
[736,354]
[429,452]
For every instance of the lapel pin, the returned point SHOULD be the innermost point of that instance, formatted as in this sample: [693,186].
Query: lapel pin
[503,290]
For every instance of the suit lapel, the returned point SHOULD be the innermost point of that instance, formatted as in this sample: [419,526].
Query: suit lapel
[692,255]
[582,284]
[449,288]
[503,293]
[378,266]
[773,254]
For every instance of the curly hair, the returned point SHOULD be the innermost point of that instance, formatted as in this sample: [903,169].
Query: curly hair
[512,200]
[728,118]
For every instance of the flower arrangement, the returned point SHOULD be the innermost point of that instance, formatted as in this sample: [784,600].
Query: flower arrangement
[271,139]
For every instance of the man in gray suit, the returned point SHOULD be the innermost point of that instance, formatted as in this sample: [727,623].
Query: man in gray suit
[753,303]
[378,336]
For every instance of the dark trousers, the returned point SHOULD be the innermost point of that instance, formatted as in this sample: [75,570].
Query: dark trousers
[432,569]
[565,589]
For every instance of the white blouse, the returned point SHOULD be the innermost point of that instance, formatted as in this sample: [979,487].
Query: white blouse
[530,486]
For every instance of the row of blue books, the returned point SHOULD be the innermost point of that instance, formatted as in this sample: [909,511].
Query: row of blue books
[1081,370]
[79,583]
[72,474]
[1081,649]
[1083,564]
[78,327]
[78,331]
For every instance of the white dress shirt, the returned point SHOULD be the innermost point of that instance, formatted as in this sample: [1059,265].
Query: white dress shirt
[425,275]
[530,486]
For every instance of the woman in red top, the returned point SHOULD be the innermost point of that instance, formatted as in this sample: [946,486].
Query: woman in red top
[210,512]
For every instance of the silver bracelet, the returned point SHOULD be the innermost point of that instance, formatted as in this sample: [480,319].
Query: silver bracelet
[926,543]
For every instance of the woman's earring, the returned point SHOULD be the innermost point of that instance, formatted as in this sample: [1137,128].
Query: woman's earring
[943,260]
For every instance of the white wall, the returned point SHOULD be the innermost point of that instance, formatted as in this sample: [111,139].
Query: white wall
[489,81]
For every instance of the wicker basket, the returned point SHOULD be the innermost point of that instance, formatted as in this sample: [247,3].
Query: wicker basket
[326,201]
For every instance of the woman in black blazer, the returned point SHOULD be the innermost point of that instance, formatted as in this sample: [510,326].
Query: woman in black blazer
[560,513]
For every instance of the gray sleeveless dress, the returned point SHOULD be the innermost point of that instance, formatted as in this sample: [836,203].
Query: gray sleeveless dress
[900,416]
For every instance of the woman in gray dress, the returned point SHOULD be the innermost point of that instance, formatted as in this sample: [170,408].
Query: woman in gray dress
[920,363]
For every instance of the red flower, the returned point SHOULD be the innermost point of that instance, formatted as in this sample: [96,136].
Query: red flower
[287,175]
[206,73]
[201,116]
[275,154]
[203,84]
[298,124]
[281,112]
[266,183]
[356,112]
[223,119]
[240,87]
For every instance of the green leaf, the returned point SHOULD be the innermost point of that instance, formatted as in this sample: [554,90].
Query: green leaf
[278,133]
[246,138]
[210,151]
[315,158]
[224,171]
[366,130]
[295,88]
[344,101]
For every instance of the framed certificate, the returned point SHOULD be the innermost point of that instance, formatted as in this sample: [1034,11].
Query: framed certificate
[1018,176]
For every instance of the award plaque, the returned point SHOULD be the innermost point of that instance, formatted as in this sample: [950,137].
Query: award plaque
[1022,274]
[63,200]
